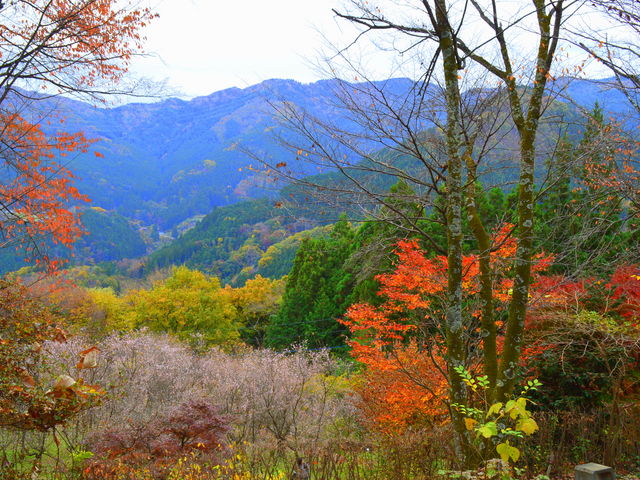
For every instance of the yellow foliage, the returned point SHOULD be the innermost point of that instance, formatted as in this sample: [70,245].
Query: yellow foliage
[109,309]
[470,423]
[259,298]
[189,304]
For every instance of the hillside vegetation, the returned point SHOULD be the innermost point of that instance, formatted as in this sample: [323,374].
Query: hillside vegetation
[434,278]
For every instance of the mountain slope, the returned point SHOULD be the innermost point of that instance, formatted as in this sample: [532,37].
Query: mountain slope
[169,161]
[228,248]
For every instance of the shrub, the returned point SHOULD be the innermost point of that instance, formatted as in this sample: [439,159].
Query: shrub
[582,340]
[278,401]
[155,446]
[33,393]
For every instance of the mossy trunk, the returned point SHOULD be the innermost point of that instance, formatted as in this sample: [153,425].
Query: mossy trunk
[454,321]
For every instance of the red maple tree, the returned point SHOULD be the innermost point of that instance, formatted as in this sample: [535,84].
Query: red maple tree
[400,341]
[81,47]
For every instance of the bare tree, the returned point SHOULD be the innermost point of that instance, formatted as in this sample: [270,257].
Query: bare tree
[618,52]
[442,135]
[77,47]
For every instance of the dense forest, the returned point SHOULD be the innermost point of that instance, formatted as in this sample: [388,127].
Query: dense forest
[435,277]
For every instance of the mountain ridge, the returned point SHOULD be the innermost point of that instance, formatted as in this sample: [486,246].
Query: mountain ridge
[175,159]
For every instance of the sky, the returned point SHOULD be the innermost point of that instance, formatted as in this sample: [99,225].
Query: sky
[201,46]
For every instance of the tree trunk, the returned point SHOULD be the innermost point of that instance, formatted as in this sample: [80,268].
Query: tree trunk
[454,323]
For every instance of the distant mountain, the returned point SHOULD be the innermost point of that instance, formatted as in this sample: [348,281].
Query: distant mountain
[237,241]
[110,237]
[168,161]
[586,93]
[174,160]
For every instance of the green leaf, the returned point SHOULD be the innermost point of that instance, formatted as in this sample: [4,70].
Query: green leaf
[488,430]
[517,408]
[494,409]
[507,451]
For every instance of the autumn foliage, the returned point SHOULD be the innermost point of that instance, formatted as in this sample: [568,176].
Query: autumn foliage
[617,296]
[583,339]
[60,46]
[400,342]
[34,198]
[194,429]
[33,394]
[615,172]
[69,46]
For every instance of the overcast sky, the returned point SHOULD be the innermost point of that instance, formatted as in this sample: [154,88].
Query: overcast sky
[202,46]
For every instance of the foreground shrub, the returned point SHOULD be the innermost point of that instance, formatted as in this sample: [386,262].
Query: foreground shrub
[583,341]
[193,429]
[609,436]
[33,393]
[292,402]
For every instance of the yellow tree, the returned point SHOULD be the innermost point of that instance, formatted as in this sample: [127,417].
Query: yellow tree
[188,304]
[255,303]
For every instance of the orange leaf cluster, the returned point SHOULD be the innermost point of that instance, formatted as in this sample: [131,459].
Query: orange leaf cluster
[419,280]
[405,372]
[78,43]
[58,46]
[409,388]
[34,196]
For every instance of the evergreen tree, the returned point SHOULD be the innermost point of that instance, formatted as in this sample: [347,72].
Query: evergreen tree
[375,241]
[582,224]
[317,292]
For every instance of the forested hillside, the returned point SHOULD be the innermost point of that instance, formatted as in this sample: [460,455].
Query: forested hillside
[360,278]
[232,239]
[161,164]
[166,161]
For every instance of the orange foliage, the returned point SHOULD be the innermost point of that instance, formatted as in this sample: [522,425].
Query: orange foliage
[619,295]
[34,199]
[624,285]
[71,45]
[403,387]
[405,376]
[418,280]
[57,46]
[72,302]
